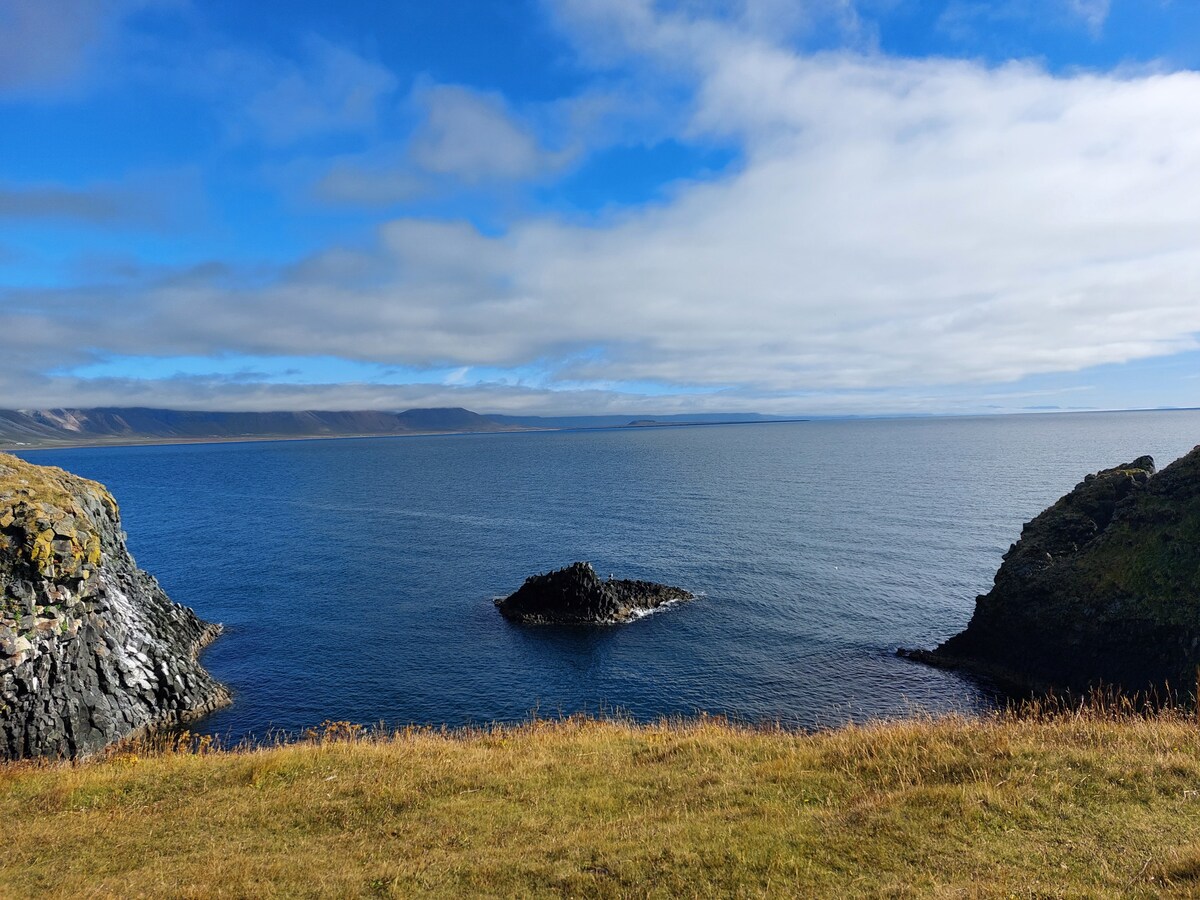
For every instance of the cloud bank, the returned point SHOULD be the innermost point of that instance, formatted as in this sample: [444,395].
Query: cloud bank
[892,225]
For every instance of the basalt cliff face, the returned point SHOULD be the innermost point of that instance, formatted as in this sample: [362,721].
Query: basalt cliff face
[576,595]
[91,648]
[1102,588]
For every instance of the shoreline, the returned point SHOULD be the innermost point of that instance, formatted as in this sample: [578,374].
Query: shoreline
[133,441]
[246,439]
[85,444]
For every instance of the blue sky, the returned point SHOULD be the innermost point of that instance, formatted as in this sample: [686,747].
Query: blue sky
[587,206]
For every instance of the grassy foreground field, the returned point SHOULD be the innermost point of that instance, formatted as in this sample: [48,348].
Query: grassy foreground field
[1054,805]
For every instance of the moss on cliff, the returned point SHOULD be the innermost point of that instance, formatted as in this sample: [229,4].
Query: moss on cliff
[45,484]
[1103,586]
[91,649]
[48,519]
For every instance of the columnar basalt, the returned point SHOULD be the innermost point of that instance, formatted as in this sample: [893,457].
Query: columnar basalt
[1103,588]
[91,648]
[577,595]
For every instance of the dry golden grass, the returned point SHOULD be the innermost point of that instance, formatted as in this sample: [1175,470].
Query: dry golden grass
[1038,805]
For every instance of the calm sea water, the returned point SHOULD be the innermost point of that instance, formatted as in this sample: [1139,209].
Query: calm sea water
[356,577]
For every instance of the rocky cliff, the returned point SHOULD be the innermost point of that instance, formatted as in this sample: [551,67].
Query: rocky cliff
[577,595]
[91,648]
[1102,588]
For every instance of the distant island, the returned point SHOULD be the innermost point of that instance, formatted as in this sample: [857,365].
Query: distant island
[677,422]
[23,429]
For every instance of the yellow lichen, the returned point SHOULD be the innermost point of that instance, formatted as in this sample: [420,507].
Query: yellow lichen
[49,505]
[41,550]
[93,550]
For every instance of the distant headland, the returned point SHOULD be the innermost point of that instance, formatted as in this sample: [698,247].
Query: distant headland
[29,429]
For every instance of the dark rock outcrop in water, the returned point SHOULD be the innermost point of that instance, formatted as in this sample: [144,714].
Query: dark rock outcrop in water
[91,648]
[577,595]
[1102,588]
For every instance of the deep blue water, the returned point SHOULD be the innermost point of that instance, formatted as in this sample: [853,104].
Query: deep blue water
[356,577]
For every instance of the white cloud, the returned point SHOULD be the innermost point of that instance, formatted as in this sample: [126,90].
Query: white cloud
[46,46]
[28,202]
[466,139]
[971,20]
[895,225]
[1094,13]
[364,181]
[139,199]
[473,136]
[333,89]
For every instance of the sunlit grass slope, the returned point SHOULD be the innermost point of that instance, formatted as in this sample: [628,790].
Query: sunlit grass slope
[1060,805]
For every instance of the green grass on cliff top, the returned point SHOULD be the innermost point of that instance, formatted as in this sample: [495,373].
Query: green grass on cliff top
[1092,805]
[21,481]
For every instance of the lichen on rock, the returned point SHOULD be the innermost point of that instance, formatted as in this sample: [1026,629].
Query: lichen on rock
[91,648]
[577,595]
[1103,588]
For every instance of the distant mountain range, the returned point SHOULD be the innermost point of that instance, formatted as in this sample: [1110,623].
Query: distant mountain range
[114,425]
[39,427]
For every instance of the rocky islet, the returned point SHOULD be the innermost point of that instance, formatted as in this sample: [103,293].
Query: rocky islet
[576,595]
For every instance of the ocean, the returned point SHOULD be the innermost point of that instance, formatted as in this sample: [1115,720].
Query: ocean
[356,577]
